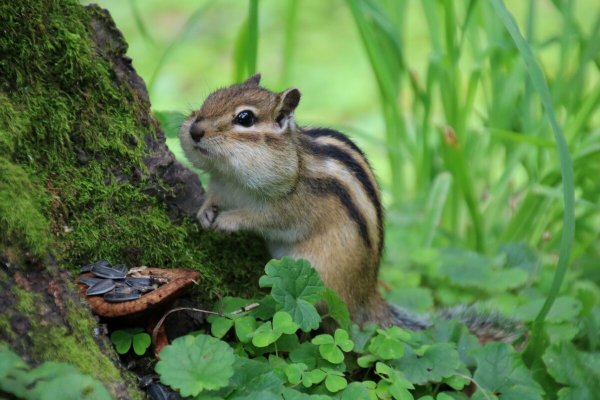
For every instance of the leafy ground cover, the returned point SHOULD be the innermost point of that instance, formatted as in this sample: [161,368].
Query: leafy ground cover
[276,351]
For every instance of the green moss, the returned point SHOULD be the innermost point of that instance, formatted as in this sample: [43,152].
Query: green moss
[6,330]
[21,218]
[26,303]
[72,341]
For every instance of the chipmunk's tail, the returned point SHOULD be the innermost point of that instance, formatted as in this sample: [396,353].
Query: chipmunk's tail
[488,326]
[485,325]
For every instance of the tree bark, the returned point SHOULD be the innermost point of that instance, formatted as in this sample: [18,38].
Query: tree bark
[85,174]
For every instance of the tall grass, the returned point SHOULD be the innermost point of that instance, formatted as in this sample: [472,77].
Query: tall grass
[477,111]
[566,165]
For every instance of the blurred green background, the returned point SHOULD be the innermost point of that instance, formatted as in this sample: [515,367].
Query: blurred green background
[437,94]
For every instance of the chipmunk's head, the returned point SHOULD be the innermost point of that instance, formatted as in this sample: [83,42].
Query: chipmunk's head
[245,132]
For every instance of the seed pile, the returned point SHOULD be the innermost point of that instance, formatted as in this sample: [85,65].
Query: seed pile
[116,282]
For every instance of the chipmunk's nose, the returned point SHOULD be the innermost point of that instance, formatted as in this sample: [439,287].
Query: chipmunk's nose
[196,132]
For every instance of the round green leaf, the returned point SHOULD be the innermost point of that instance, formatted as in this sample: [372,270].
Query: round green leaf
[342,340]
[296,286]
[71,386]
[141,342]
[220,326]
[313,377]
[283,323]
[193,364]
[244,327]
[331,353]
[265,335]
[122,340]
[323,339]
[386,346]
[293,372]
[335,383]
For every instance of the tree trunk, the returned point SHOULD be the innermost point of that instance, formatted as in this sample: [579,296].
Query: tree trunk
[84,175]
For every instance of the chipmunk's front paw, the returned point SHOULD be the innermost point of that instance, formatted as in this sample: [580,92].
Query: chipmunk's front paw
[227,222]
[208,215]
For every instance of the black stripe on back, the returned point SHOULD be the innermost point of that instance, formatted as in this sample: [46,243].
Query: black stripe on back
[331,186]
[319,132]
[339,154]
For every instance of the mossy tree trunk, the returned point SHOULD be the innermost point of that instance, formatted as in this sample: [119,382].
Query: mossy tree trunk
[85,174]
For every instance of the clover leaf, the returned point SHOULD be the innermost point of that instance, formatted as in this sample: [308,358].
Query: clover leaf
[193,364]
[294,371]
[331,347]
[389,343]
[392,381]
[296,287]
[268,332]
[335,381]
[123,339]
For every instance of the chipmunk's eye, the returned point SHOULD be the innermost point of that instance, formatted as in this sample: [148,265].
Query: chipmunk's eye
[245,118]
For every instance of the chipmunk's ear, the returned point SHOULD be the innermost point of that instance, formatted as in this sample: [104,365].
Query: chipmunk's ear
[254,80]
[288,101]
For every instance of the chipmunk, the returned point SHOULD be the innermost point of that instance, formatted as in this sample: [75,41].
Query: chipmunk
[310,193]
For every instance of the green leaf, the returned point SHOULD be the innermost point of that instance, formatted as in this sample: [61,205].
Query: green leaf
[313,377]
[9,361]
[439,361]
[331,353]
[361,336]
[336,308]
[122,340]
[292,394]
[389,344]
[283,323]
[501,370]
[296,286]
[578,370]
[355,391]
[330,347]
[366,361]
[252,379]
[323,339]
[306,353]
[392,381]
[565,308]
[141,342]
[342,340]
[335,383]
[220,326]
[469,269]
[71,386]
[267,308]
[294,371]
[193,364]
[265,335]
[244,328]
[520,255]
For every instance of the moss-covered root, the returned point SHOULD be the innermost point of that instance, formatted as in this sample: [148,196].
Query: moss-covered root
[53,324]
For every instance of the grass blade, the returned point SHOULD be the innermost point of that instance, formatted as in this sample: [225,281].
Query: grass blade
[566,165]
[246,46]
